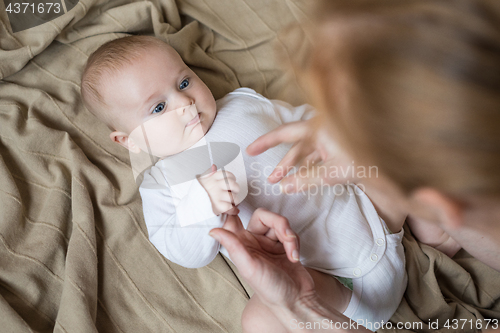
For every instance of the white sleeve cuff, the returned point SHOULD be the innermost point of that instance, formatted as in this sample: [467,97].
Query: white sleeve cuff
[195,206]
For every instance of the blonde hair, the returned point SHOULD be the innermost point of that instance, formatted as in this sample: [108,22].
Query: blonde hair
[413,87]
[108,59]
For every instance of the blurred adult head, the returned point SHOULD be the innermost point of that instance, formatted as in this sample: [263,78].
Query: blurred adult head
[413,87]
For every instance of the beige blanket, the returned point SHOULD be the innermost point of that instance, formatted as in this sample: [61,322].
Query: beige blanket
[74,254]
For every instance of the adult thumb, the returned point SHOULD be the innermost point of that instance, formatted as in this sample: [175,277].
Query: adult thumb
[237,251]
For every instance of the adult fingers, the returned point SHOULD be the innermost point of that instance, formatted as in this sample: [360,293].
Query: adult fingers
[233,211]
[237,251]
[275,227]
[312,177]
[292,249]
[288,133]
[256,224]
[233,224]
[292,157]
[314,157]
[300,181]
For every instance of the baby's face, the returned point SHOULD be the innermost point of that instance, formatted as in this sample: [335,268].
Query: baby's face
[159,92]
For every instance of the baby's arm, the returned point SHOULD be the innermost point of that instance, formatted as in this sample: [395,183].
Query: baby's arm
[188,246]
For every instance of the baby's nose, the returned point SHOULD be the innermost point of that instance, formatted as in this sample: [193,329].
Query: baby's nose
[182,101]
[186,109]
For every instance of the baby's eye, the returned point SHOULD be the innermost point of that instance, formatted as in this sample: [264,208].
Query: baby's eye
[159,108]
[184,84]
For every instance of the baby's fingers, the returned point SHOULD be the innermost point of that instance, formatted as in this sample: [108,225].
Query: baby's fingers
[228,184]
[224,174]
[233,186]
[223,206]
[222,195]
[210,171]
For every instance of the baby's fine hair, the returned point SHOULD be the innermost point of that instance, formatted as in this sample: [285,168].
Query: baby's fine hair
[109,58]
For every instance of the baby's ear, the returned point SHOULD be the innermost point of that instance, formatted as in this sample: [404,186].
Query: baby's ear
[124,140]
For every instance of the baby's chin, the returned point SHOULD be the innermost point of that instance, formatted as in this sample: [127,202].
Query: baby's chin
[206,123]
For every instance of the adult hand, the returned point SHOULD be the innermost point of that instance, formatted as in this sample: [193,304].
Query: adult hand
[266,254]
[315,154]
[320,161]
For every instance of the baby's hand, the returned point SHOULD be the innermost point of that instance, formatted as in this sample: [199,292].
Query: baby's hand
[220,189]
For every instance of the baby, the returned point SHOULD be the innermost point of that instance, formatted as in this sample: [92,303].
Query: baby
[153,102]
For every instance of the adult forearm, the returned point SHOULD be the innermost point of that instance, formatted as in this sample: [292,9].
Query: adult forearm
[310,315]
[387,201]
[482,246]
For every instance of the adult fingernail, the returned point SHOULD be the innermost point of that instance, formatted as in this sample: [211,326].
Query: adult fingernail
[295,255]
[214,235]
[290,233]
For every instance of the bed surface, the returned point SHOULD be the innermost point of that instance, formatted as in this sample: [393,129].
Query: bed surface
[74,253]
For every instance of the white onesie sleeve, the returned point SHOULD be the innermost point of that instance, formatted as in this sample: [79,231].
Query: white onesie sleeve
[188,246]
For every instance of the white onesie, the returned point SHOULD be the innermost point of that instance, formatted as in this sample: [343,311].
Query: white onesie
[341,234]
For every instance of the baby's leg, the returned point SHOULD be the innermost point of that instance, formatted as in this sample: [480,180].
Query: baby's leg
[257,317]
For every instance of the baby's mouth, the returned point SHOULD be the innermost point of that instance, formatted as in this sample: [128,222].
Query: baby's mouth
[193,121]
